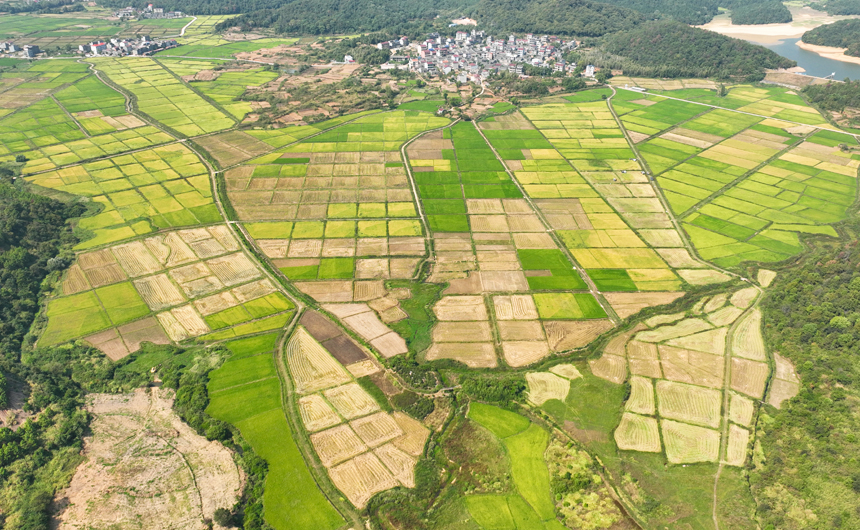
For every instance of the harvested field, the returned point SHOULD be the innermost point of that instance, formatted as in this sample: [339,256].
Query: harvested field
[376,429]
[144,466]
[736,450]
[317,414]
[158,292]
[617,345]
[75,280]
[641,350]
[414,434]
[361,478]
[682,328]
[368,290]
[784,369]
[714,303]
[351,401]
[712,341]
[678,258]
[182,323]
[170,250]
[781,391]
[690,366]
[749,377]
[566,335]
[641,400]
[390,344]
[462,332]
[515,307]
[610,367]
[234,269]
[337,444]
[741,410]
[110,343]
[664,319]
[461,308]
[626,304]
[401,465]
[362,368]
[311,366]
[568,371]
[253,290]
[637,433]
[747,341]
[474,355]
[645,368]
[135,259]
[327,291]
[520,330]
[744,297]
[702,276]
[765,277]
[544,386]
[524,353]
[725,316]
[144,330]
[689,403]
[687,444]
[367,325]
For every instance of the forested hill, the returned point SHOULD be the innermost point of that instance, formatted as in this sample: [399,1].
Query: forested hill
[842,34]
[839,7]
[559,17]
[698,12]
[671,49]
[318,17]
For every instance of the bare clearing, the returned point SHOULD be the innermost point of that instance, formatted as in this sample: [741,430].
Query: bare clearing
[145,468]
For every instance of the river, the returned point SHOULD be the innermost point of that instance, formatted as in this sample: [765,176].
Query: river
[813,63]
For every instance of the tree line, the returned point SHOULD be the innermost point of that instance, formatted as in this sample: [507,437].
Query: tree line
[842,34]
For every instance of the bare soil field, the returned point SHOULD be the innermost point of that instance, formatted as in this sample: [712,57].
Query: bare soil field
[147,469]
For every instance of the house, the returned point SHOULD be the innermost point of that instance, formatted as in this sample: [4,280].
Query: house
[31,50]
[589,70]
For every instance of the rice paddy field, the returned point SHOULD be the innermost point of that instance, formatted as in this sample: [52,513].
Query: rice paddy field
[161,95]
[541,228]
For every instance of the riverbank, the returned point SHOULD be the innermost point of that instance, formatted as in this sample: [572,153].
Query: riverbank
[828,52]
[804,19]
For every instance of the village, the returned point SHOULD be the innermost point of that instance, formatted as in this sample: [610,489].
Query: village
[474,56]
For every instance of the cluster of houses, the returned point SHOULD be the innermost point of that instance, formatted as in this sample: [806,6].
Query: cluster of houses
[26,51]
[147,12]
[474,56]
[121,47]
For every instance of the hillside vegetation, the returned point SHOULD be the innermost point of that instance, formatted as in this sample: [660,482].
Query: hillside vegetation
[811,317]
[840,7]
[842,34]
[562,17]
[673,49]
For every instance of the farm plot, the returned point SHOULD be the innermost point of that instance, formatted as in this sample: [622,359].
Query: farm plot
[161,187]
[352,172]
[193,278]
[229,85]
[291,498]
[760,217]
[41,124]
[591,193]
[24,87]
[544,386]
[525,443]
[375,451]
[158,90]
[654,114]
[689,444]
[638,433]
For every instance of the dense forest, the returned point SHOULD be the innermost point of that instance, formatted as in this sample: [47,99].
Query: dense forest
[698,12]
[839,7]
[320,17]
[842,34]
[583,18]
[835,96]
[758,11]
[808,462]
[672,49]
